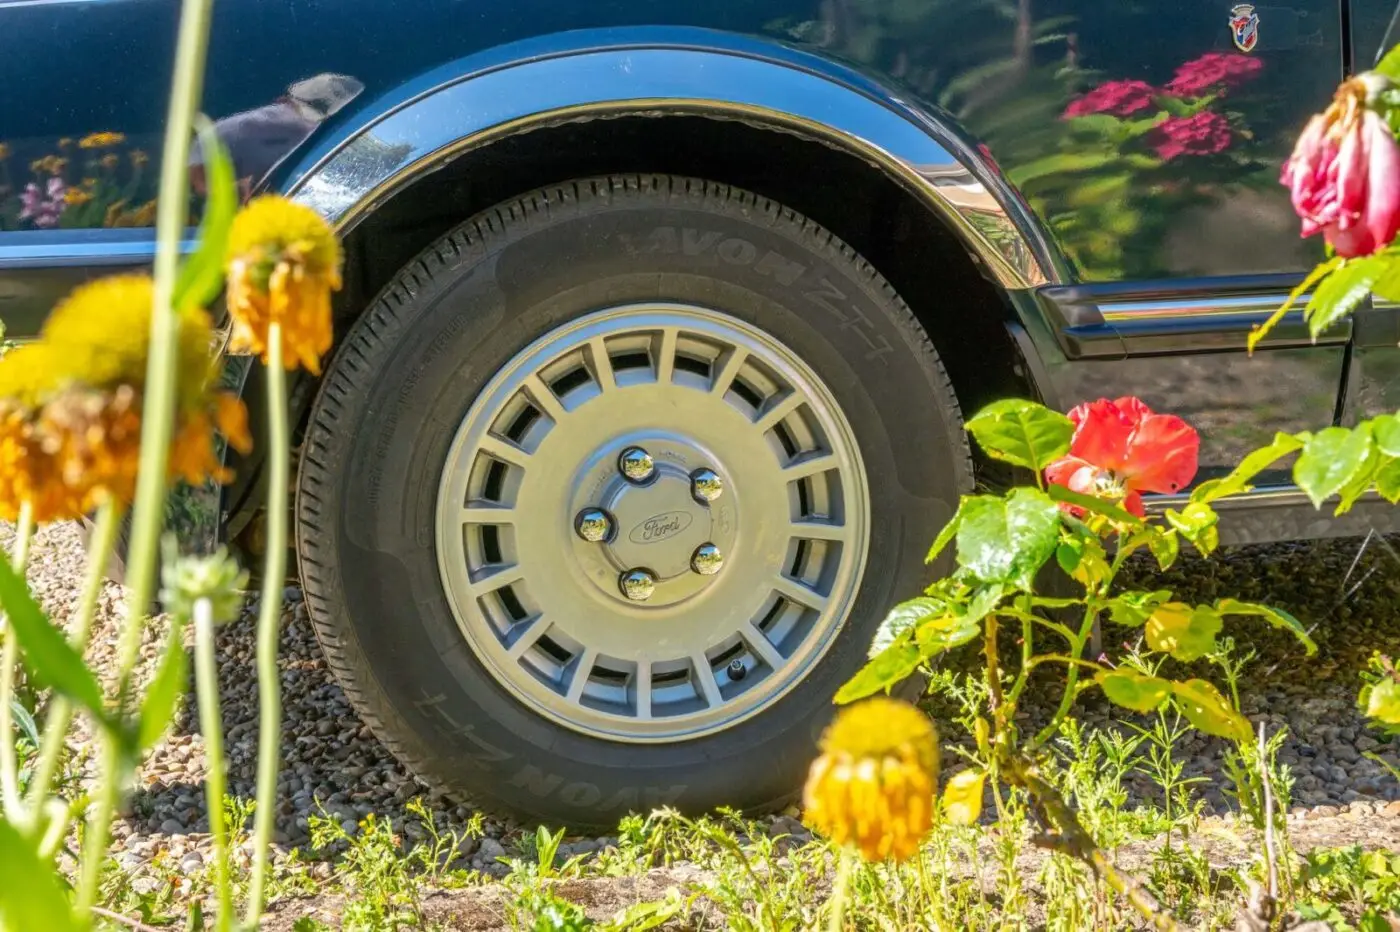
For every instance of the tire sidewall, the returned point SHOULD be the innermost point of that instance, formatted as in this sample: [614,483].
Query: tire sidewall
[407,375]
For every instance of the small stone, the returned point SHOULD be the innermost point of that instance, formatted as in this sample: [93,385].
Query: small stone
[490,849]
[468,846]
[172,827]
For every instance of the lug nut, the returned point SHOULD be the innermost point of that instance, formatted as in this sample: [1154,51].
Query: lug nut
[737,670]
[636,465]
[707,560]
[706,485]
[637,585]
[593,525]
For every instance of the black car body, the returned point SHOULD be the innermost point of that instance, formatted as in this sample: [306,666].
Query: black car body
[1067,198]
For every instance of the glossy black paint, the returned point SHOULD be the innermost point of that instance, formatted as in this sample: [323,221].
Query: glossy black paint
[1135,245]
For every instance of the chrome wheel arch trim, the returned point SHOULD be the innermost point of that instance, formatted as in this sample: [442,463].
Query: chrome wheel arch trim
[421,128]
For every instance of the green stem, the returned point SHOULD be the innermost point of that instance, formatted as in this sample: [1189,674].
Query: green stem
[104,539]
[1027,651]
[269,614]
[1071,679]
[206,678]
[157,413]
[839,890]
[9,661]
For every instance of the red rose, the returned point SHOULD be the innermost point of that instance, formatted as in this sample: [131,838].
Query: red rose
[1120,98]
[1344,175]
[1205,133]
[1121,449]
[1211,71]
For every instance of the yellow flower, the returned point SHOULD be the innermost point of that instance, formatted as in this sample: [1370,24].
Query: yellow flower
[65,143]
[70,404]
[4,151]
[109,160]
[139,158]
[283,264]
[119,216]
[872,788]
[75,197]
[101,140]
[49,165]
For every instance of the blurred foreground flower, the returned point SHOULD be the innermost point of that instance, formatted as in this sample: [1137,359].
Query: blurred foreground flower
[1122,448]
[70,404]
[873,785]
[1344,174]
[284,262]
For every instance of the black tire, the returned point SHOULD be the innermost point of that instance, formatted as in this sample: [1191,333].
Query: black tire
[406,374]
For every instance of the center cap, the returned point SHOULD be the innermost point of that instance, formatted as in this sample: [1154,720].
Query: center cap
[654,509]
[659,525]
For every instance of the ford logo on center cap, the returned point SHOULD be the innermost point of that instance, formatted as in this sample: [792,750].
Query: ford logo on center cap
[660,527]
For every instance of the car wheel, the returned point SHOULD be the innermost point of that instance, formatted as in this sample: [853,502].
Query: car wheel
[605,496]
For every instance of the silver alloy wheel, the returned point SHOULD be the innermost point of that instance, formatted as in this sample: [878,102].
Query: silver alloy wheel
[652,522]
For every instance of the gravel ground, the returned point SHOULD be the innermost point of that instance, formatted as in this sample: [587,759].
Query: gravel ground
[1348,591]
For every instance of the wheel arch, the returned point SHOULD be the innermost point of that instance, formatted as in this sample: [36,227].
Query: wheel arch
[896,183]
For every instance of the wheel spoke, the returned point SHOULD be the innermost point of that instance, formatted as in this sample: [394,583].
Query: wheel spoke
[666,355]
[775,413]
[530,631]
[505,451]
[817,530]
[495,576]
[481,512]
[808,465]
[705,683]
[582,667]
[762,647]
[733,362]
[643,687]
[602,364]
[799,592]
[544,398]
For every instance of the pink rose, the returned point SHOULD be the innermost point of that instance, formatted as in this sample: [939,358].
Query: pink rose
[1344,175]
[1120,98]
[1204,133]
[1212,70]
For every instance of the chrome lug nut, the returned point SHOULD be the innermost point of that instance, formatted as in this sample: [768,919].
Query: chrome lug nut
[637,585]
[593,525]
[706,485]
[636,465]
[707,560]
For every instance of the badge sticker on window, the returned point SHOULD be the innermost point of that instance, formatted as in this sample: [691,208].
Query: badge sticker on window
[1244,27]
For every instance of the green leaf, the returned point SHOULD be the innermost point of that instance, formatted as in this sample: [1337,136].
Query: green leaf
[1274,616]
[202,275]
[1008,539]
[904,617]
[1132,609]
[945,536]
[164,690]
[1184,632]
[1312,278]
[1207,709]
[942,635]
[1330,459]
[1386,430]
[48,655]
[1238,481]
[1383,702]
[888,669]
[1342,292]
[30,895]
[24,722]
[1133,690]
[1081,555]
[1095,504]
[1165,546]
[1022,432]
[1387,480]
[1390,64]
[982,603]
[1199,524]
[962,797]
